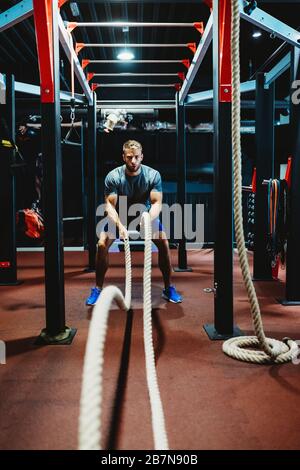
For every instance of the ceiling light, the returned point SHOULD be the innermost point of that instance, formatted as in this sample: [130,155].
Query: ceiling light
[256,34]
[125,55]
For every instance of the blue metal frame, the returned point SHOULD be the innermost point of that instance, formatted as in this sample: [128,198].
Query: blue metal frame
[16,14]
[195,98]
[197,60]
[272,25]
[282,66]
[23,10]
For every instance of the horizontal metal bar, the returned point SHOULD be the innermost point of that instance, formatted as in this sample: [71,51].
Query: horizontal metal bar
[63,124]
[36,90]
[15,14]
[208,94]
[268,23]
[140,107]
[245,104]
[137,104]
[130,24]
[137,101]
[126,46]
[246,87]
[128,74]
[154,61]
[67,96]
[136,85]
[71,55]
[283,65]
[197,59]
[199,97]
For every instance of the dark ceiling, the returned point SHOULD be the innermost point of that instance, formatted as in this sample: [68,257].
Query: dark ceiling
[18,50]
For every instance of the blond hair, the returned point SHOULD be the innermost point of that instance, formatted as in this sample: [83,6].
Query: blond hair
[130,144]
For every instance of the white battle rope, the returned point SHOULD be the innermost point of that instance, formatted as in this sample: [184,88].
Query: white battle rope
[158,420]
[271,350]
[91,392]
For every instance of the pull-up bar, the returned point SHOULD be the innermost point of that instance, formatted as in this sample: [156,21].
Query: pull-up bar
[136,85]
[125,74]
[185,62]
[81,45]
[71,25]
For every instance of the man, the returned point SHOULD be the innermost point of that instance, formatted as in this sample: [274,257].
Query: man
[141,184]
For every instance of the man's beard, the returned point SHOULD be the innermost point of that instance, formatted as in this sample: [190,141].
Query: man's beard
[130,170]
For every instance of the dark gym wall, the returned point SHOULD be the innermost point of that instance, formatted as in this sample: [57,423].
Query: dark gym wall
[159,151]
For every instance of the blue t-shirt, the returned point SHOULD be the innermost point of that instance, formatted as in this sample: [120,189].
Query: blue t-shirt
[136,188]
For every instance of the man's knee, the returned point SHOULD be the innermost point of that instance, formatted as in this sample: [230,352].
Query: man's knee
[104,242]
[162,243]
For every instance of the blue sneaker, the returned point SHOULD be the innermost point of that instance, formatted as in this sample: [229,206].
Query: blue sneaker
[94,296]
[172,295]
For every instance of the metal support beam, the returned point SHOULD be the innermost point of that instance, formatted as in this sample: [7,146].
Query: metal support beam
[131,74]
[272,25]
[264,132]
[81,45]
[245,104]
[223,326]
[282,66]
[197,59]
[56,332]
[129,24]
[136,104]
[8,258]
[15,14]
[195,98]
[23,10]
[181,182]
[84,160]
[42,14]
[92,183]
[71,55]
[292,292]
[35,90]
[86,62]
[134,85]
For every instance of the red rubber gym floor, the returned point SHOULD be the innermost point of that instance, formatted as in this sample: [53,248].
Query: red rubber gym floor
[210,401]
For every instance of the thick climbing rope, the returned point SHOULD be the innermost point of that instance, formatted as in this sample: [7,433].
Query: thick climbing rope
[92,382]
[271,350]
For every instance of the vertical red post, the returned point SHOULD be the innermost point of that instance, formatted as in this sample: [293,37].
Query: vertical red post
[223,326]
[43,21]
[288,174]
[254,181]
[47,37]
[225,89]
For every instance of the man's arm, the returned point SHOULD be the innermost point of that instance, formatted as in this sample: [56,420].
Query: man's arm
[111,202]
[156,204]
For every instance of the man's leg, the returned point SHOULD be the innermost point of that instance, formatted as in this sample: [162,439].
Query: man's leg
[105,241]
[164,262]
[164,258]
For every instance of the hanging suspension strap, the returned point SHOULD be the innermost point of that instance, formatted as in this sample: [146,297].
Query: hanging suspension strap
[277,220]
[273,205]
[72,101]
